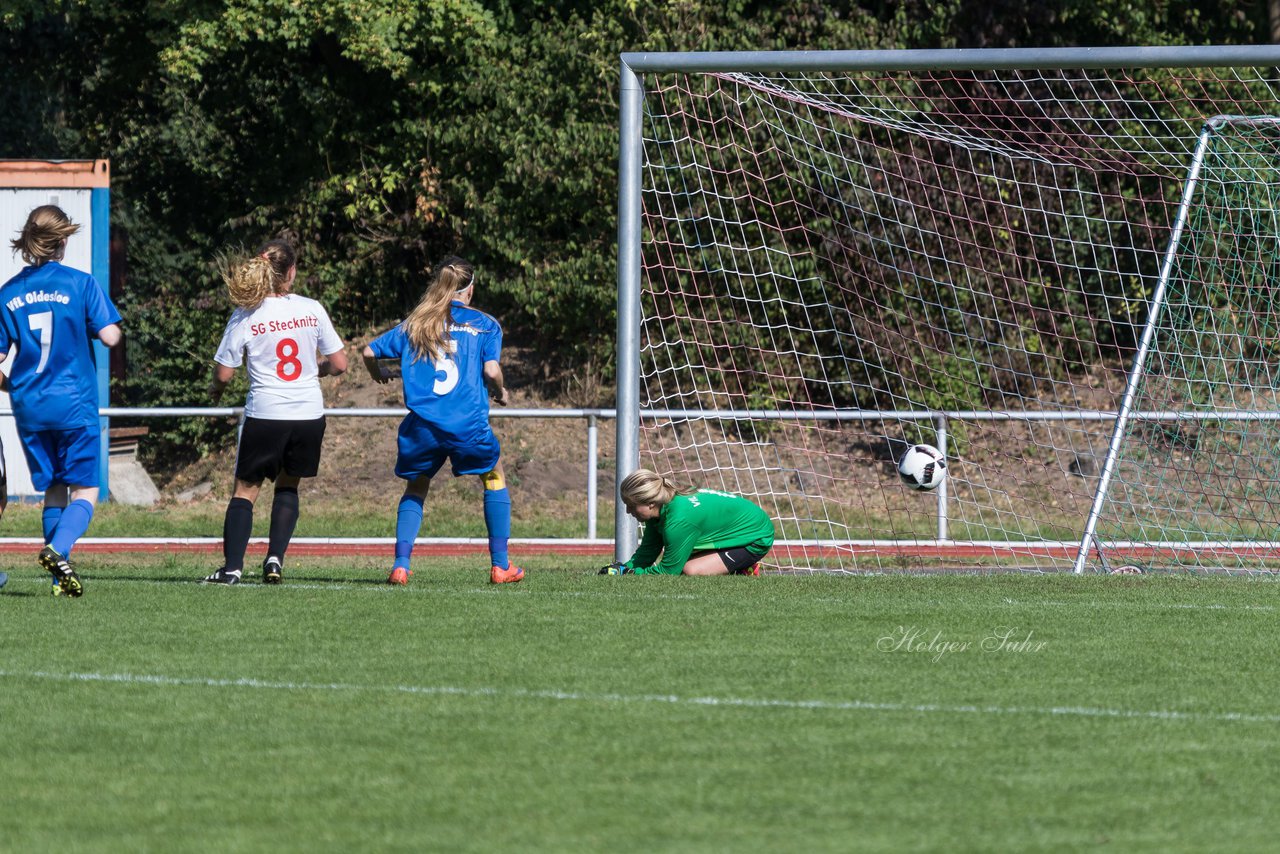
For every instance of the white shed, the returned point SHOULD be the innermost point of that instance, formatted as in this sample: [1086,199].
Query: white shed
[82,189]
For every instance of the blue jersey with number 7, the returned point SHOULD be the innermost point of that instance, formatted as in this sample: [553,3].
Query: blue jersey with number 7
[52,314]
[448,392]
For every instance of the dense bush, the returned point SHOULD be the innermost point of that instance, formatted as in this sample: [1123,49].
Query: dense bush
[382,134]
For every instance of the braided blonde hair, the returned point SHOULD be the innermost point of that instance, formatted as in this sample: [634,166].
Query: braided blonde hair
[427,326]
[250,280]
[647,487]
[44,237]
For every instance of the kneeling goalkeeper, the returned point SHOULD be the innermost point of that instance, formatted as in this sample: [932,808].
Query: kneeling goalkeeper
[697,532]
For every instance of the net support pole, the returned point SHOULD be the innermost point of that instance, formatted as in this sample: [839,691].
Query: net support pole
[940,441]
[1144,345]
[628,367]
[593,444]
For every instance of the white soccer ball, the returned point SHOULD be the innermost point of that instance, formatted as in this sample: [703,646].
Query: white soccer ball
[922,467]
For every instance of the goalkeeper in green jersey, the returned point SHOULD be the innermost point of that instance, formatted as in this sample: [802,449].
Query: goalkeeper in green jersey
[696,532]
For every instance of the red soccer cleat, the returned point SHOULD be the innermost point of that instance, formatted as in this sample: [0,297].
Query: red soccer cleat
[399,575]
[498,575]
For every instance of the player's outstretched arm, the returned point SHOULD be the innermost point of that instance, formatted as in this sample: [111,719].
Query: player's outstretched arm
[374,367]
[218,382]
[333,365]
[493,379]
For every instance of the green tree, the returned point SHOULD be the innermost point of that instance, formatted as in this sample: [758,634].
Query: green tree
[383,134]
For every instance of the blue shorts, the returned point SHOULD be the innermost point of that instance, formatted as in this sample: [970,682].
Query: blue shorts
[63,456]
[422,450]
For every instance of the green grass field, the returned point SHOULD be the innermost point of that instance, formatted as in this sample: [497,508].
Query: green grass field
[581,713]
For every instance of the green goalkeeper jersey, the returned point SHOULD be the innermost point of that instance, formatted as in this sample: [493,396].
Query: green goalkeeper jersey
[704,521]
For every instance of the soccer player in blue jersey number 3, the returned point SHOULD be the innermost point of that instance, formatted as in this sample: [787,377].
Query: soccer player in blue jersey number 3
[49,314]
[449,353]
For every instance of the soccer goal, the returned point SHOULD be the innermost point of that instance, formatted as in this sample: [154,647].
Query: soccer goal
[1058,267]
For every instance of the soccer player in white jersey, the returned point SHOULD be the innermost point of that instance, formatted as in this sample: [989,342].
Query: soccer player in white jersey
[276,334]
[49,314]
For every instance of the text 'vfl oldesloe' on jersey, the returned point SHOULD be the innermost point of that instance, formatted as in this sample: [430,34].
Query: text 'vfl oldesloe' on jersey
[52,314]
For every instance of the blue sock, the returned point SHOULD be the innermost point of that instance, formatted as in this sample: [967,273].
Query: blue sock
[71,527]
[408,523]
[497,518]
[49,522]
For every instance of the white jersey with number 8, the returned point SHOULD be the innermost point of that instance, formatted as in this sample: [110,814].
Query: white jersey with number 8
[279,340]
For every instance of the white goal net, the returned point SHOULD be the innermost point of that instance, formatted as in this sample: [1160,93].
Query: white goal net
[836,265]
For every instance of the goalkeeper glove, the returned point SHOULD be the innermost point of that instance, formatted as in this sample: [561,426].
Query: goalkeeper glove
[616,569]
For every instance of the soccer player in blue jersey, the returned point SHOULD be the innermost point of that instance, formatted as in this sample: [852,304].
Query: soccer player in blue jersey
[449,360]
[50,314]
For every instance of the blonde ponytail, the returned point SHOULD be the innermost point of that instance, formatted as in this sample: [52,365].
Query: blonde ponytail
[427,326]
[250,280]
[643,486]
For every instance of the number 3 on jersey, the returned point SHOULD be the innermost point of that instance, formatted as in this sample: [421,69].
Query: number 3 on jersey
[444,384]
[444,365]
[289,368]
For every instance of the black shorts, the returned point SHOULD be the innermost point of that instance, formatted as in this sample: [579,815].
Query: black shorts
[739,558]
[269,447]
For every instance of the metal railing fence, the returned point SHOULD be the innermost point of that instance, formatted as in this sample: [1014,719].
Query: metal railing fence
[940,419]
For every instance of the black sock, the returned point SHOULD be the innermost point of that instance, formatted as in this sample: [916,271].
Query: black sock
[236,528]
[284,517]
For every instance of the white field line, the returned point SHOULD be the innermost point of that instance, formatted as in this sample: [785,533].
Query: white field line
[633,699]
[1145,606]
[1094,605]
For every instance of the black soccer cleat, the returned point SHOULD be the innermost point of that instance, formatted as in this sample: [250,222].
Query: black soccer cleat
[272,570]
[60,568]
[223,576]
